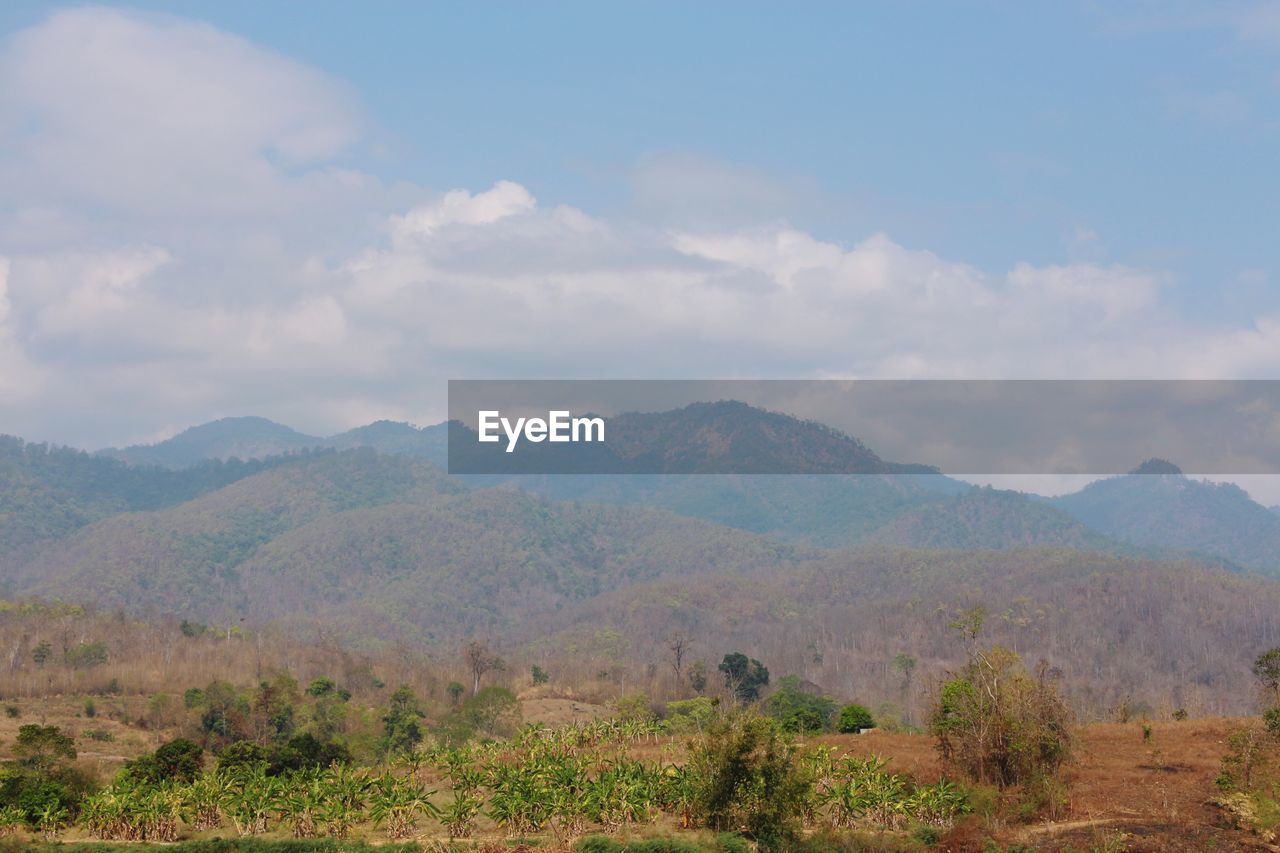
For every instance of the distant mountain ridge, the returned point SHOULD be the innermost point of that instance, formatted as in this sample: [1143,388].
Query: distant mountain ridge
[251,437]
[1155,511]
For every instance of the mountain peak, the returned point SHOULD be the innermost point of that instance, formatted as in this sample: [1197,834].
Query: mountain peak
[1158,466]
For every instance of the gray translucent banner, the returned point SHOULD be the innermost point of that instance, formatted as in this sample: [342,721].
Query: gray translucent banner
[976,427]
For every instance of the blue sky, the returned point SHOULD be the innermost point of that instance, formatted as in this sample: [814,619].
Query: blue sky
[990,132]
[1075,183]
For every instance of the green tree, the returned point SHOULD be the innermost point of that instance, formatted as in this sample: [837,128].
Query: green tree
[178,760]
[744,676]
[797,710]
[1267,670]
[854,718]
[41,653]
[745,775]
[455,690]
[402,724]
[539,675]
[86,655]
[42,749]
[494,711]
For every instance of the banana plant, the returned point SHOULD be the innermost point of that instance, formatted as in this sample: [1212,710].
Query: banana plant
[398,803]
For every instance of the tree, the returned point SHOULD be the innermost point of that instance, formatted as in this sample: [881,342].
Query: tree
[1267,670]
[495,711]
[40,654]
[854,718]
[677,648]
[41,749]
[480,660]
[797,710]
[745,775]
[455,690]
[402,726]
[539,674]
[178,760]
[698,676]
[744,676]
[273,709]
[997,724]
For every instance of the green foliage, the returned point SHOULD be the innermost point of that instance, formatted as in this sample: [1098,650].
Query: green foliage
[402,726]
[86,655]
[225,715]
[995,723]
[41,749]
[690,715]
[854,718]
[1266,669]
[799,711]
[539,674]
[746,777]
[744,676]
[494,711]
[178,760]
[41,653]
[634,708]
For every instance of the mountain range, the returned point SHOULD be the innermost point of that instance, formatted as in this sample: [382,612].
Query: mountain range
[364,535]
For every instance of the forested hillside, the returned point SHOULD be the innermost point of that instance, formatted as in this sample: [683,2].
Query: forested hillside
[47,493]
[1170,510]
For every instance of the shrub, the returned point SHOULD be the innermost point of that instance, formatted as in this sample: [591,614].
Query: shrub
[744,676]
[689,715]
[746,777]
[995,723]
[854,718]
[797,710]
[86,655]
[178,760]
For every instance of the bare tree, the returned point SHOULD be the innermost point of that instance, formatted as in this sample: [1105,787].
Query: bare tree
[480,660]
[677,646]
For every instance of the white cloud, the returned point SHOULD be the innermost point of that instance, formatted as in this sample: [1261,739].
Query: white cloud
[182,246]
[459,207]
[160,113]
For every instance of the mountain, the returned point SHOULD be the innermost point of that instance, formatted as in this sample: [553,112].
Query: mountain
[184,558]
[730,437]
[380,547]
[228,438]
[48,493]
[386,550]
[1168,510]
[990,519]
[258,438]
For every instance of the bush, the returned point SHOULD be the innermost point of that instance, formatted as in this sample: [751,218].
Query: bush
[86,655]
[997,724]
[178,760]
[745,776]
[854,718]
[797,710]
[690,715]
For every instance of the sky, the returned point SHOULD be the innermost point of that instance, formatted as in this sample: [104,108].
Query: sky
[319,215]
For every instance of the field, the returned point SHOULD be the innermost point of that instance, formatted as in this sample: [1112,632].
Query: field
[1126,791]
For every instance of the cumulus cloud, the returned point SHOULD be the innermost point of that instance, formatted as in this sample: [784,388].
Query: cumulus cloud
[161,113]
[181,244]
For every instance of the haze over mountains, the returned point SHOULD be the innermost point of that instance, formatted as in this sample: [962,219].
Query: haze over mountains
[364,536]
